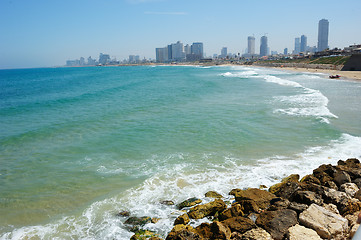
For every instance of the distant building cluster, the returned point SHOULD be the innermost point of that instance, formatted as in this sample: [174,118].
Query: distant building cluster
[178,52]
[104,60]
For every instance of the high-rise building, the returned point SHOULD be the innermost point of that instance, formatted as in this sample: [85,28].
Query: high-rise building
[223,52]
[197,49]
[303,47]
[187,49]
[297,46]
[251,45]
[178,53]
[104,58]
[264,46]
[285,51]
[161,54]
[322,44]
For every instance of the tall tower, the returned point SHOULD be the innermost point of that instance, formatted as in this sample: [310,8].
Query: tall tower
[264,46]
[297,46]
[224,52]
[251,45]
[322,35]
[303,43]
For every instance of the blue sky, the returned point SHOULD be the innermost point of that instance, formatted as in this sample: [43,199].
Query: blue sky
[41,33]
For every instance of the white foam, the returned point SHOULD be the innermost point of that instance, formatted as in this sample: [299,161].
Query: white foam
[280,81]
[239,74]
[182,181]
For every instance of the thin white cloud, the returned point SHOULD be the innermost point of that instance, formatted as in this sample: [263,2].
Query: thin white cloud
[165,13]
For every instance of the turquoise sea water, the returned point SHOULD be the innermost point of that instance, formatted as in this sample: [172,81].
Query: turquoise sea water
[79,144]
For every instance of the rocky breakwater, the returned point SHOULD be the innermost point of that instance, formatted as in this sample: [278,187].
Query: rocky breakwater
[322,205]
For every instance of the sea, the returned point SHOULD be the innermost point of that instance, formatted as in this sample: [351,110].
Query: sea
[80,145]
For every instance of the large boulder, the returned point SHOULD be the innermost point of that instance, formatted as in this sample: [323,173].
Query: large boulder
[285,189]
[324,173]
[220,231]
[138,221]
[213,194]
[144,234]
[249,206]
[208,209]
[310,179]
[341,177]
[183,232]
[307,197]
[338,198]
[189,203]
[261,197]
[298,207]
[204,230]
[234,211]
[277,222]
[349,188]
[326,223]
[239,224]
[182,219]
[299,232]
[257,234]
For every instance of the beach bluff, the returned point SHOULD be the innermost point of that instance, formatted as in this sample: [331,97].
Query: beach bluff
[323,205]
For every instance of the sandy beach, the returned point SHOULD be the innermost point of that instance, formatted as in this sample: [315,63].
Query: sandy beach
[354,75]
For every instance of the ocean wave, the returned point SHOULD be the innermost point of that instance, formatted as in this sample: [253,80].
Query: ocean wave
[239,74]
[184,180]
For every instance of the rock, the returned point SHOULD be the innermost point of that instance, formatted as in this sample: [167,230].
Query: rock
[182,219]
[298,207]
[358,195]
[220,231]
[261,197]
[327,224]
[331,207]
[278,186]
[278,203]
[236,236]
[155,238]
[353,205]
[204,230]
[144,234]
[277,222]
[208,209]
[310,179]
[253,216]
[349,188]
[357,182]
[352,222]
[234,211]
[338,198]
[299,232]
[167,202]
[139,221]
[284,190]
[262,187]
[291,178]
[189,203]
[342,177]
[353,230]
[324,173]
[249,206]
[331,184]
[123,214]
[183,232]
[212,194]
[307,197]
[155,220]
[257,234]
[239,224]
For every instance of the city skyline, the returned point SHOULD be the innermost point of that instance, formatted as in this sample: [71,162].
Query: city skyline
[47,33]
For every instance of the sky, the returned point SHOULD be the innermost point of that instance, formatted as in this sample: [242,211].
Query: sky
[45,33]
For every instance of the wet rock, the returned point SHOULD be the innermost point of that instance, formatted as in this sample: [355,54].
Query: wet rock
[327,224]
[342,177]
[204,230]
[239,224]
[208,209]
[189,203]
[257,234]
[234,211]
[307,197]
[285,190]
[139,221]
[299,232]
[123,214]
[213,194]
[262,187]
[183,232]
[298,207]
[357,182]
[278,203]
[324,173]
[182,219]
[310,179]
[261,197]
[144,234]
[249,206]
[220,231]
[236,236]
[349,188]
[167,202]
[277,222]
[291,178]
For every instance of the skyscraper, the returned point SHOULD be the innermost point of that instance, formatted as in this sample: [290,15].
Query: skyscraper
[322,35]
[297,46]
[223,52]
[303,47]
[161,54]
[251,45]
[197,49]
[264,46]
